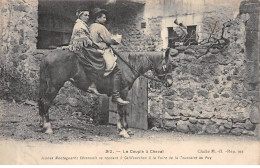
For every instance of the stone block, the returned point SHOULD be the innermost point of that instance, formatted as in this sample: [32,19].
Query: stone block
[249,126]
[211,58]
[173,112]
[195,128]
[173,52]
[201,51]
[169,104]
[205,115]
[237,131]
[189,51]
[228,125]
[20,8]
[155,122]
[254,114]
[167,116]
[203,93]
[226,95]
[216,95]
[170,92]
[187,58]
[193,120]
[60,99]
[169,124]
[238,116]
[223,60]
[223,130]
[183,126]
[215,51]
[181,48]
[238,125]
[196,70]
[186,93]
[73,102]
[212,129]
[184,118]
[250,133]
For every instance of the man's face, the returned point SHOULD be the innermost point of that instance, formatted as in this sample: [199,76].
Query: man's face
[85,16]
[102,19]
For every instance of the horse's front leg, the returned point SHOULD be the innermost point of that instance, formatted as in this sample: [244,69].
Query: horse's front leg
[121,122]
[124,122]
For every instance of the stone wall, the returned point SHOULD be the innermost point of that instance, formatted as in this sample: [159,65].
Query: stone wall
[134,37]
[211,92]
[19,62]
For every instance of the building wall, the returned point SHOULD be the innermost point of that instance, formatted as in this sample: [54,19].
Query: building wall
[19,56]
[214,91]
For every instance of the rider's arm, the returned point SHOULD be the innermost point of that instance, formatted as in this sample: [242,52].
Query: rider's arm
[106,36]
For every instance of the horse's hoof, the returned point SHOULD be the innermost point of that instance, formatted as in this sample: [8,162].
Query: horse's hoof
[49,132]
[130,132]
[124,134]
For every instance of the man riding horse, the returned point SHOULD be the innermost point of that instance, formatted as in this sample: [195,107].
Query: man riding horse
[93,45]
[85,63]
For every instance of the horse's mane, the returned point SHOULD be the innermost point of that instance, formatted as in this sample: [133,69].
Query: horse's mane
[141,60]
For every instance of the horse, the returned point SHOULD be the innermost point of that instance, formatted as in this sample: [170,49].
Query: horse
[62,65]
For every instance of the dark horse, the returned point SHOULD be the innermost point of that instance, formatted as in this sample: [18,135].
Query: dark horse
[62,65]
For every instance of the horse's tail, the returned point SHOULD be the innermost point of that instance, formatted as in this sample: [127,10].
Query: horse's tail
[43,79]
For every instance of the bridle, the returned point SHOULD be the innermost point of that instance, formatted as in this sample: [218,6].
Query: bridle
[165,75]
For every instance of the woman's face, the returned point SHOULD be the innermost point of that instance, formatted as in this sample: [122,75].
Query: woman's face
[84,16]
[102,19]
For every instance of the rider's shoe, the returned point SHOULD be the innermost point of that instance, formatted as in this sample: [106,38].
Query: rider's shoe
[120,101]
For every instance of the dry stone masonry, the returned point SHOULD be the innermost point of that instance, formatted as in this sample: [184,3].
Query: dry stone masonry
[214,90]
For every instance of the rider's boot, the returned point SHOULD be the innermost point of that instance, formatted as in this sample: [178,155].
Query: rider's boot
[116,87]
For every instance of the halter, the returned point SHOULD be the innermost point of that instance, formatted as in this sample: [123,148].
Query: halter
[164,74]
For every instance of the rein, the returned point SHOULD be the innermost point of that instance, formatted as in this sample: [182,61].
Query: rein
[146,76]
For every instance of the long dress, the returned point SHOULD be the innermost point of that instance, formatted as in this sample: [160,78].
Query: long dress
[89,56]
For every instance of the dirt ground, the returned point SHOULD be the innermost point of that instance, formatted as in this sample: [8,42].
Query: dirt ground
[20,122]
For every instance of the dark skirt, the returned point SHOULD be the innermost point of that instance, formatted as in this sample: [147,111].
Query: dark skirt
[92,60]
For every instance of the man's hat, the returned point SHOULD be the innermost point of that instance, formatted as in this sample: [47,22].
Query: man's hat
[97,11]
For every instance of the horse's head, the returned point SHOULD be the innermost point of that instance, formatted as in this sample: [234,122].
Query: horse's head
[162,68]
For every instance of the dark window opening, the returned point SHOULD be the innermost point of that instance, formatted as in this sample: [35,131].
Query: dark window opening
[56,20]
[143,25]
[53,31]
[191,37]
[172,37]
